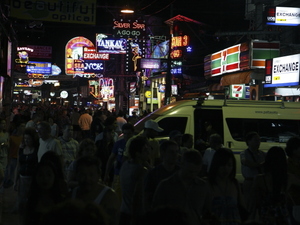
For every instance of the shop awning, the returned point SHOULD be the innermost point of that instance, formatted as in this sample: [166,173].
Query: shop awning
[242,77]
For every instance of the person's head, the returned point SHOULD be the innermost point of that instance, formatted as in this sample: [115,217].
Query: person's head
[276,165]
[2,125]
[68,131]
[56,160]
[275,160]
[44,130]
[191,164]
[127,130]
[293,147]
[253,140]
[108,133]
[88,172]
[46,177]
[152,128]
[139,148]
[207,126]
[176,135]
[187,140]
[169,151]
[87,147]
[215,141]
[223,165]
[30,137]
[111,121]
[36,118]
[50,120]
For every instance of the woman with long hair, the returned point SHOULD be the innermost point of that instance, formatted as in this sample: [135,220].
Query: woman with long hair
[26,164]
[45,192]
[227,199]
[270,189]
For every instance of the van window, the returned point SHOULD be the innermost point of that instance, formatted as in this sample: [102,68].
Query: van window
[167,123]
[270,130]
[172,123]
[203,116]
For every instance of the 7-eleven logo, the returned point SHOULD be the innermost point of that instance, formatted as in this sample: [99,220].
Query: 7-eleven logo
[237,91]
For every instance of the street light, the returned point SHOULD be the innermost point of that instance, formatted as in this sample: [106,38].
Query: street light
[127,10]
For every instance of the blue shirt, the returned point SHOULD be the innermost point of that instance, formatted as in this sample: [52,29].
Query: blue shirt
[118,149]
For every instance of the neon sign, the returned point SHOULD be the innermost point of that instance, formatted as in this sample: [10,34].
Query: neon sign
[74,51]
[93,66]
[110,45]
[177,43]
[103,88]
[180,41]
[129,28]
[39,67]
[91,54]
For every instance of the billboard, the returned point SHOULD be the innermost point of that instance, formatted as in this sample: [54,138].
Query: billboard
[82,12]
[283,16]
[104,44]
[282,71]
[244,56]
[39,67]
[74,55]
[129,28]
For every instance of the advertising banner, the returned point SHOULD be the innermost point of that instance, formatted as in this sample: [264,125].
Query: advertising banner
[81,12]
[104,44]
[129,28]
[244,56]
[74,55]
[283,16]
[282,71]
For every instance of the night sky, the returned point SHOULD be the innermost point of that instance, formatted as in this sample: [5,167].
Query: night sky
[218,15]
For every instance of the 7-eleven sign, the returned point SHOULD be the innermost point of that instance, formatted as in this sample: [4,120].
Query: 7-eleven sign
[237,91]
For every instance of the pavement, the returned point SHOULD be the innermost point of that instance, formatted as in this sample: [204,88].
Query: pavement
[8,199]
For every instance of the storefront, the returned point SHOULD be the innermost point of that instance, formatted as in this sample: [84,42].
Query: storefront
[241,67]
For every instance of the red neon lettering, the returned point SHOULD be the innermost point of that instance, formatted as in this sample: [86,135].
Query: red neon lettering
[137,25]
[121,25]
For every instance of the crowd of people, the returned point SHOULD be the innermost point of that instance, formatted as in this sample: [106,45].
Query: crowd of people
[74,167]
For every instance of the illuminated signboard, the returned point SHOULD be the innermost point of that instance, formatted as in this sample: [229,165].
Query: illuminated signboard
[245,56]
[40,51]
[174,89]
[135,51]
[149,63]
[240,91]
[161,50]
[102,88]
[93,66]
[91,54]
[161,88]
[78,12]
[283,16]
[23,54]
[129,28]
[176,67]
[282,71]
[74,53]
[177,45]
[39,67]
[110,45]
[55,70]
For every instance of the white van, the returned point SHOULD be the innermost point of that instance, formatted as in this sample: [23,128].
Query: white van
[275,122]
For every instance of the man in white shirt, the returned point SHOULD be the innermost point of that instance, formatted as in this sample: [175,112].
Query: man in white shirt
[47,142]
